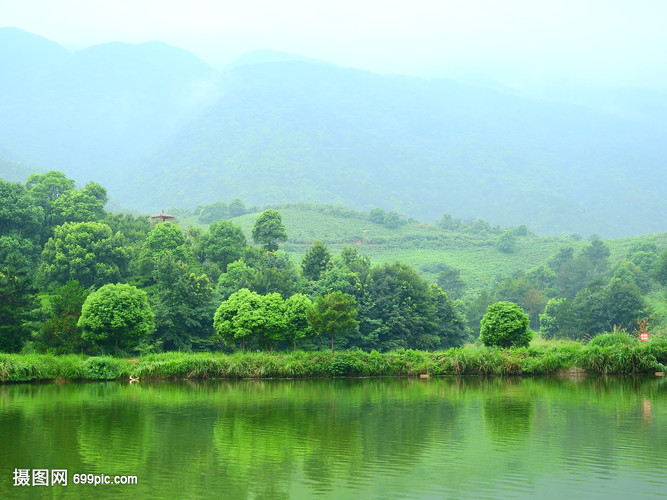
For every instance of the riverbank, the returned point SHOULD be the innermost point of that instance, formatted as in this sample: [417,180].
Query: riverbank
[605,356]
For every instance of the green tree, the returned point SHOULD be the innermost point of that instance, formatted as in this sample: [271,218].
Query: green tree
[507,242]
[16,304]
[83,205]
[116,316]
[269,230]
[403,309]
[334,314]
[275,273]
[377,215]
[240,317]
[450,327]
[181,305]
[223,244]
[660,268]
[165,237]
[46,189]
[558,320]
[236,207]
[60,331]
[449,279]
[239,275]
[297,327]
[84,251]
[20,224]
[316,261]
[505,324]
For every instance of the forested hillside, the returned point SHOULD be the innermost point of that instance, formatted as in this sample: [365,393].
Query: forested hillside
[160,128]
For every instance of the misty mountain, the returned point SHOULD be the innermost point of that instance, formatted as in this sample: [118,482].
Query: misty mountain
[93,113]
[160,128]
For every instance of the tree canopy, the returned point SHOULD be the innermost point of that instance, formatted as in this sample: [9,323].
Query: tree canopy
[116,317]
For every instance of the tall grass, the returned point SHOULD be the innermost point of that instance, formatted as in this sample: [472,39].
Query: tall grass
[609,354]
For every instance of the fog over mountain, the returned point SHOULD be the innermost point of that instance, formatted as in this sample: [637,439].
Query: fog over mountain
[161,128]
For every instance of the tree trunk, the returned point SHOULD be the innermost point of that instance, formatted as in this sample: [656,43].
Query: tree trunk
[332,340]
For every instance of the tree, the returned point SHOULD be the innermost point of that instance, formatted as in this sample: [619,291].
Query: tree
[16,304]
[334,314]
[505,324]
[83,205]
[239,275]
[181,304]
[507,242]
[316,261]
[236,207]
[449,279]
[275,273]
[297,327]
[85,251]
[450,327]
[238,317]
[60,331]
[403,306]
[46,189]
[165,237]
[660,268]
[558,320]
[117,316]
[269,230]
[223,244]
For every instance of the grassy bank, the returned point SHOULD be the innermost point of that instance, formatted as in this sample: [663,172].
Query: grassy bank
[609,353]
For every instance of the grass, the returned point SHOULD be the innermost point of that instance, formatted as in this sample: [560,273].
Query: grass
[611,354]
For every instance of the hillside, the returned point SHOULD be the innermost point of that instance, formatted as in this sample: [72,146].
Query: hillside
[158,127]
[426,247]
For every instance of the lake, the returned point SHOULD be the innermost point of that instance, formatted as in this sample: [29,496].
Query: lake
[579,437]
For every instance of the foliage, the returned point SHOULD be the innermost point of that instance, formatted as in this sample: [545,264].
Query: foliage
[505,324]
[316,261]
[333,314]
[180,303]
[116,317]
[60,332]
[165,237]
[16,304]
[297,308]
[84,251]
[660,269]
[223,244]
[269,230]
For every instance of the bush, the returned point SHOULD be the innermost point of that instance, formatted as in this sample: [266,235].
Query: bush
[613,338]
[505,324]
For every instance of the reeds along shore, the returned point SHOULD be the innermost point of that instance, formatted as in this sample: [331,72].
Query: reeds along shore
[606,354]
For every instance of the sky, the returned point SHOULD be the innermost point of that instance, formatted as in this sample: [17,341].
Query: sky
[516,42]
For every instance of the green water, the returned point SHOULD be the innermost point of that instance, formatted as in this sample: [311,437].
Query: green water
[364,438]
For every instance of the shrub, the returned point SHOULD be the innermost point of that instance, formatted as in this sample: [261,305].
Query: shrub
[613,338]
[505,324]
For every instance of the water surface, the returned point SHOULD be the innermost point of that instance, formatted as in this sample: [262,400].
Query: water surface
[588,437]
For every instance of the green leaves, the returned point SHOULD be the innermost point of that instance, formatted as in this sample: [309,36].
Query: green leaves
[85,251]
[269,230]
[116,316]
[505,325]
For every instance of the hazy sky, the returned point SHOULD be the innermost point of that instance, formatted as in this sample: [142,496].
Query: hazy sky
[618,41]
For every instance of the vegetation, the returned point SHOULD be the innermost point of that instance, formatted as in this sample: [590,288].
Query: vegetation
[206,289]
[505,325]
[613,354]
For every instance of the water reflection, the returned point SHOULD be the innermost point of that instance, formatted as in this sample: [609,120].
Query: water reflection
[456,437]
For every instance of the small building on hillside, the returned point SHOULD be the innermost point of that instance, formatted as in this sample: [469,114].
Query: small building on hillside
[162,217]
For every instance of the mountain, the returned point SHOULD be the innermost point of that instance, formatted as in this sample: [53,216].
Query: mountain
[94,113]
[298,131]
[159,128]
